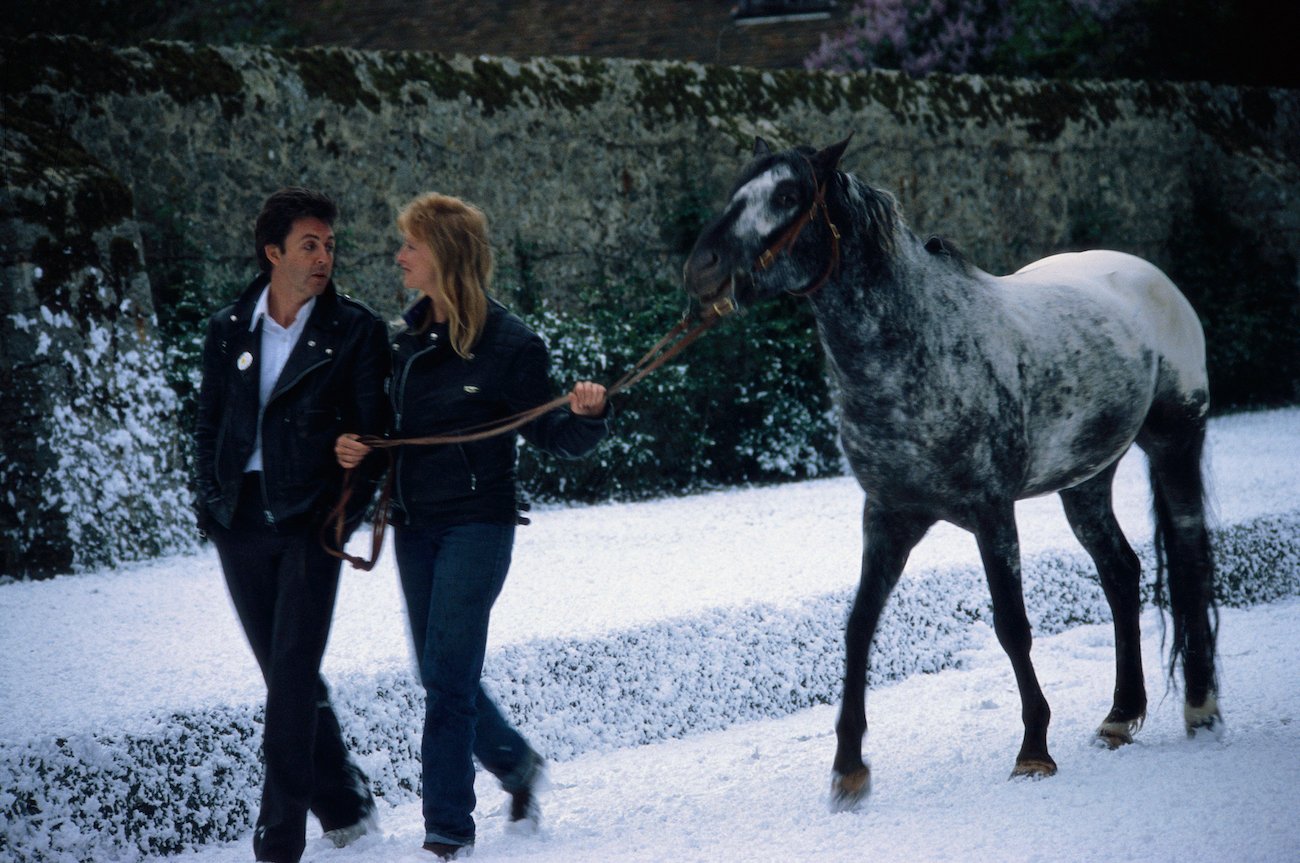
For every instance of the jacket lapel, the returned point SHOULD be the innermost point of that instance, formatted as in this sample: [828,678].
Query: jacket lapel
[317,345]
[245,344]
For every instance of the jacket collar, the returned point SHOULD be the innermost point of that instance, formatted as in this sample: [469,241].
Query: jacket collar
[246,306]
[262,309]
[415,312]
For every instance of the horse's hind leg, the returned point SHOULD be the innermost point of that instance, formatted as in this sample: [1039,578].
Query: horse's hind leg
[1088,509]
[888,538]
[999,546]
[1174,447]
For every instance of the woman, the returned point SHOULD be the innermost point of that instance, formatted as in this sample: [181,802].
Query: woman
[460,360]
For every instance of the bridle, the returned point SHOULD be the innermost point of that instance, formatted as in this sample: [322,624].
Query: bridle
[673,342]
[791,234]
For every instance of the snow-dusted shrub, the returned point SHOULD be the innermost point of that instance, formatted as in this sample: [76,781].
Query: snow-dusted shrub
[1258,561]
[102,477]
[179,780]
[117,479]
[188,779]
[108,476]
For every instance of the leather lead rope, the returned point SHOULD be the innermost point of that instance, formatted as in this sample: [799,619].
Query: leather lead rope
[676,340]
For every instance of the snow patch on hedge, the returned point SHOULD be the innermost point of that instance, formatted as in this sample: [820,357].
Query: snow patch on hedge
[118,454]
[111,466]
[185,779]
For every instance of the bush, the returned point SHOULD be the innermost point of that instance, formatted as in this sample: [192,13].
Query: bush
[1243,287]
[1181,40]
[982,37]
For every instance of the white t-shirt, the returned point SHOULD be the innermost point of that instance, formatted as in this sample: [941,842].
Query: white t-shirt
[277,344]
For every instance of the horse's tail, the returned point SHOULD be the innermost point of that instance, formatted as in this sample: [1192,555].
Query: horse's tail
[1185,573]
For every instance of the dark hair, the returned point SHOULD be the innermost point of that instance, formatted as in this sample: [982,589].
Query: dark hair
[279,213]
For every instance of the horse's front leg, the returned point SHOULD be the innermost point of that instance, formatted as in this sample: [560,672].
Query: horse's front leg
[888,538]
[999,546]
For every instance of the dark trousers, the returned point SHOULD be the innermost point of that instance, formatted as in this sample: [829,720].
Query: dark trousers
[283,587]
[451,575]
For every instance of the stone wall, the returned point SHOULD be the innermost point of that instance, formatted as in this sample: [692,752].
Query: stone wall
[594,173]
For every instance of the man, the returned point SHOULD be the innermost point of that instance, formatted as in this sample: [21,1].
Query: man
[286,369]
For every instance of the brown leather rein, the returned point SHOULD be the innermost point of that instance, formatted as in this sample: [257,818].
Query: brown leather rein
[673,343]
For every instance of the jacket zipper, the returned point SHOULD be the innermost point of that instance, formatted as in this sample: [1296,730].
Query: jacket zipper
[464,456]
[261,416]
[398,396]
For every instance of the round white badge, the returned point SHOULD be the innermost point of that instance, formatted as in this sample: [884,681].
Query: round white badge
[245,360]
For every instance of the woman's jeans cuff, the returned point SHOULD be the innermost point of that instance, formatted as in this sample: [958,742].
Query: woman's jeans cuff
[430,836]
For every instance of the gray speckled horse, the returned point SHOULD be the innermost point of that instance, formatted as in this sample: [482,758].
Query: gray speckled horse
[960,393]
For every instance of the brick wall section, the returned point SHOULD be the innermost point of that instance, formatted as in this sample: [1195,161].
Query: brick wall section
[700,31]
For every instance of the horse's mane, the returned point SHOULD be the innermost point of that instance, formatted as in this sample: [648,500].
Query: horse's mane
[945,250]
[883,217]
[942,246]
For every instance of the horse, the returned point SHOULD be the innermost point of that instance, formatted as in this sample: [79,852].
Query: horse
[960,392]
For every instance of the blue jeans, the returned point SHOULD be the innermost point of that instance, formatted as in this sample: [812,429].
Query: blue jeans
[451,575]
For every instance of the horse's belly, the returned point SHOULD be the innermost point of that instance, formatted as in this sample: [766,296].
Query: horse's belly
[1065,453]
[1086,383]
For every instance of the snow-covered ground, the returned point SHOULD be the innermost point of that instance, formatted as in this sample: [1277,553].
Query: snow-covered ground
[94,652]
[941,746]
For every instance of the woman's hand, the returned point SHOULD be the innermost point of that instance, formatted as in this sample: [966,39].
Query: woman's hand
[587,399]
[349,450]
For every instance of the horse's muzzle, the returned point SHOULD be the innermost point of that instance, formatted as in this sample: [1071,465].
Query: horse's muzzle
[716,298]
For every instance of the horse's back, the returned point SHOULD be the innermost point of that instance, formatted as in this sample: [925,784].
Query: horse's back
[1107,339]
[1140,293]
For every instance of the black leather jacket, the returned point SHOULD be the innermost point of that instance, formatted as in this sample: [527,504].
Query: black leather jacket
[436,391]
[332,383]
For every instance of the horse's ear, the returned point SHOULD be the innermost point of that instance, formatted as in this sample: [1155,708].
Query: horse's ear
[826,161]
[761,147]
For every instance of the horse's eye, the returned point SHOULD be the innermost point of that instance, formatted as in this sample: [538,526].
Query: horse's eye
[785,200]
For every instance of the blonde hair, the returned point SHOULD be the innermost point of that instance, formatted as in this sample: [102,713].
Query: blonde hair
[456,232]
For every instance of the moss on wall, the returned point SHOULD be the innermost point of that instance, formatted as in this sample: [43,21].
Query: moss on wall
[186,73]
[490,85]
[330,73]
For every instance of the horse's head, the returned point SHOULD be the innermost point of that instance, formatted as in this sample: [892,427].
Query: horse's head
[775,233]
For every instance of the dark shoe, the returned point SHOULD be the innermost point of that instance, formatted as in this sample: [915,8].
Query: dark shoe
[525,812]
[274,853]
[523,806]
[446,851]
[342,837]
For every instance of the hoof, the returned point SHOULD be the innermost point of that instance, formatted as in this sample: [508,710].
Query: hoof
[1205,719]
[1114,734]
[849,790]
[1034,768]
